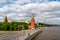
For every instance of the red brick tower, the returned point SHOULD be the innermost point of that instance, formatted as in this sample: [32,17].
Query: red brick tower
[5,19]
[32,22]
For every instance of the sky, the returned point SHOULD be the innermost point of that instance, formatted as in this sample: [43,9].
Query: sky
[45,11]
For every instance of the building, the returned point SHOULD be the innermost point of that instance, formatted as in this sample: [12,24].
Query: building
[5,19]
[32,23]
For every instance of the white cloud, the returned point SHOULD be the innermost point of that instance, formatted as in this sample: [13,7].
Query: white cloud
[42,11]
[53,21]
[1,1]
[29,1]
[22,15]
[5,1]
[1,19]
[11,14]
[4,9]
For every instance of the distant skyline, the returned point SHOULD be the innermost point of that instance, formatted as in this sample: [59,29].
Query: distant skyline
[46,11]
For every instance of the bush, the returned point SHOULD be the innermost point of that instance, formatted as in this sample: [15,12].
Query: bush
[13,26]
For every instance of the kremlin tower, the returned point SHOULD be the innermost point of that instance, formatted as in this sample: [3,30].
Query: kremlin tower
[32,23]
[5,19]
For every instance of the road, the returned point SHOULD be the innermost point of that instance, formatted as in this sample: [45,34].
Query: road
[53,33]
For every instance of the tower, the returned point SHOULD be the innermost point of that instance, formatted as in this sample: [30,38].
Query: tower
[5,19]
[32,22]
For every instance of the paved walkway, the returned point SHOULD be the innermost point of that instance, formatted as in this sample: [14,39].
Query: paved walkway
[53,33]
[16,35]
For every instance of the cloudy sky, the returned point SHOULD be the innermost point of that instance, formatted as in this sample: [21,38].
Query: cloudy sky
[45,11]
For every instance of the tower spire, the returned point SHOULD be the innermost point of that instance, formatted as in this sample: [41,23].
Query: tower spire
[32,13]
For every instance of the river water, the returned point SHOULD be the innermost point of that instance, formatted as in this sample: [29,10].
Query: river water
[53,33]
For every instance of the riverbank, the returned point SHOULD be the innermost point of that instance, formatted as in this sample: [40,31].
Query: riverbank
[21,35]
